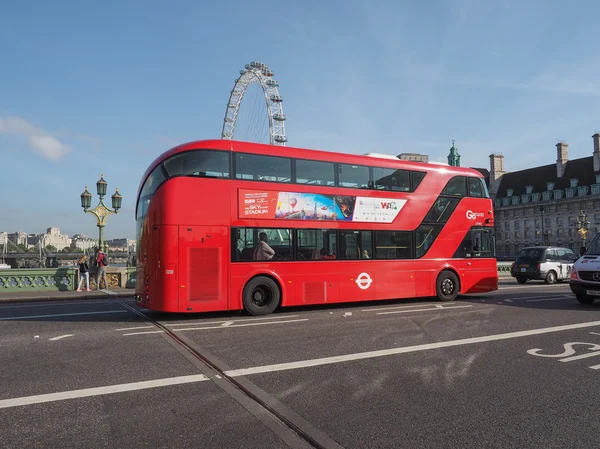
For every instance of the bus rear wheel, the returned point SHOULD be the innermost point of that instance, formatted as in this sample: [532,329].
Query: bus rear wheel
[261,296]
[447,286]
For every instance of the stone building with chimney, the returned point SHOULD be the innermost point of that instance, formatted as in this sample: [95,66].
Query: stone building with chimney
[540,205]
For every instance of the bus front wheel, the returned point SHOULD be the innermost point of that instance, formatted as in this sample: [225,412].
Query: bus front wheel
[447,286]
[261,296]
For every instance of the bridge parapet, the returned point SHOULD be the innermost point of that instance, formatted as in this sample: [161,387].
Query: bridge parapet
[61,279]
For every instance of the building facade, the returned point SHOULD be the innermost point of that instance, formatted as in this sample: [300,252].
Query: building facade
[541,205]
[82,242]
[415,157]
[18,238]
[52,237]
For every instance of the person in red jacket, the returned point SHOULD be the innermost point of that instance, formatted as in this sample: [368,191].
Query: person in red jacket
[102,263]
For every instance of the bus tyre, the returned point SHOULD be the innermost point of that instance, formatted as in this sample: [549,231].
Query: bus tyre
[585,299]
[261,295]
[550,277]
[447,286]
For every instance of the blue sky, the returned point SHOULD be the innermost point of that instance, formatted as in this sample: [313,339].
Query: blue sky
[105,87]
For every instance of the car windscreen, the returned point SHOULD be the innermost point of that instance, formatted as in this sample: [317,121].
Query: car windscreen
[530,255]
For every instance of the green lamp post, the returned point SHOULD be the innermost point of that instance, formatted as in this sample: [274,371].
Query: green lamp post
[101,212]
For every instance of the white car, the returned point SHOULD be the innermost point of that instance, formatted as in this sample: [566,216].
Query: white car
[585,275]
[547,263]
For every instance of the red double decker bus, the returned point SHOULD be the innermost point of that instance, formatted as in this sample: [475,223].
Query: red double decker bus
[226,225]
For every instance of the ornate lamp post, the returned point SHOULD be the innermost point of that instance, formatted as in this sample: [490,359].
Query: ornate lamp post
[583,226]
[101,212]
[543,234]
[547,236]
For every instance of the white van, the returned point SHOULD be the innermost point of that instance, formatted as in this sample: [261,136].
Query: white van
[585,275]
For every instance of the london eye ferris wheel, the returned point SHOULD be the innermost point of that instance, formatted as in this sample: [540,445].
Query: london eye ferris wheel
[259,90]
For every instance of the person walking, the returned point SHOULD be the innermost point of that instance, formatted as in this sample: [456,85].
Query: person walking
[84,273]
[102,264]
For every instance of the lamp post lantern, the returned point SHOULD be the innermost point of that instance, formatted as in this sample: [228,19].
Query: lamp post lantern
[583,226]
[543,234]
[101,212]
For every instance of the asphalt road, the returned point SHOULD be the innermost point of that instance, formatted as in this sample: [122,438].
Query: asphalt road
[515,368]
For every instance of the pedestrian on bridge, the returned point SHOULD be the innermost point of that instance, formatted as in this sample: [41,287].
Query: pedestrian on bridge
[102,264]
[84,273]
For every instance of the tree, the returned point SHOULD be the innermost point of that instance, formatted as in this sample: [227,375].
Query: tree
[51,248]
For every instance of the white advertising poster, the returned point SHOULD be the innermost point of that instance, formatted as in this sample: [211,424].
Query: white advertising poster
[379,210]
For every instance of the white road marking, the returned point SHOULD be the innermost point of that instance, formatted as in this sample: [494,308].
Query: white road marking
[61,337]
[227,323]
[422,310]
[545,299]
[595,333]
[87,392]
[581,356]
[134,328]
[237,325]
[508,300]
[61,314]
[404,350]
[142,333]
[526,286]
[274,317]
[395,308]
[595,366]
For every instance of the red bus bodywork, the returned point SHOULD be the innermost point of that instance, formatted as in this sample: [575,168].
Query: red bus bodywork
[184,252]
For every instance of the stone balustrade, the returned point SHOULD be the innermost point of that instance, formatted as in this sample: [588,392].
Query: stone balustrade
[62,279]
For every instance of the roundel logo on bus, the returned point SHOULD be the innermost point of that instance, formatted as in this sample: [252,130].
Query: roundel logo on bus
[473,215]
[363,281]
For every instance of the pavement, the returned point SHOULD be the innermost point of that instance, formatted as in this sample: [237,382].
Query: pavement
[26,296]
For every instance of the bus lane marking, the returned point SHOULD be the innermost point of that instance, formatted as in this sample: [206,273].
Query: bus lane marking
[569,350]
[223,325]
[142,333]
[111,389]
[424,310]
[397,307]
[134,328]
[408,349]
[283,317]
[238,325]
[61,337]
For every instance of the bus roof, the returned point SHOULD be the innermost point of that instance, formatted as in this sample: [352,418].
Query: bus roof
[301,153]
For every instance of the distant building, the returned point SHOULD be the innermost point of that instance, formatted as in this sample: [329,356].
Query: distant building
[416,157]
[121,244]
[52,237]
[540,205]
[18,238]
[82,242]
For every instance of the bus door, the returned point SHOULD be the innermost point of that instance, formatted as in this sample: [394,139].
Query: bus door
[357,272]
[203,274]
